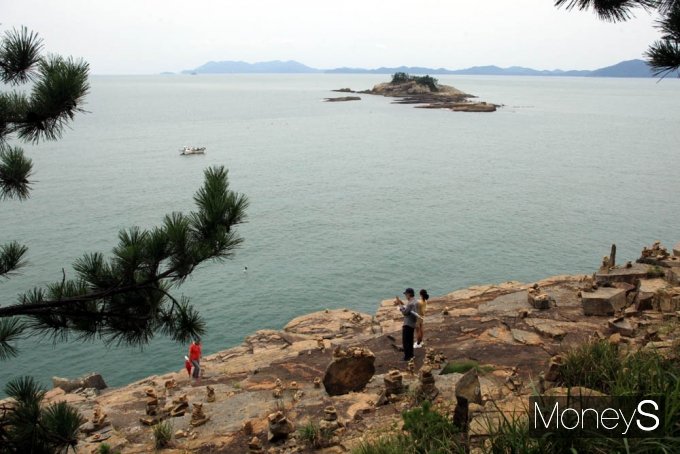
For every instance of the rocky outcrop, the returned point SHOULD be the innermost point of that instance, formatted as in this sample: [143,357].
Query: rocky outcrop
[423,96]
[342,99]
[516,346]
[603,301]
[349,371]
[94,381]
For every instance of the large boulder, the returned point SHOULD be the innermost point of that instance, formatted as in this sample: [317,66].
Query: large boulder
[603,301]
[349,371]
[668,300]
[468,387]
[93,380]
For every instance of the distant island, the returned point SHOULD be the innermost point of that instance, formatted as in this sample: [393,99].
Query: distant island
[629,68]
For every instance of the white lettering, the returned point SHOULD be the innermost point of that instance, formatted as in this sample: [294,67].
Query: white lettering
[562,419]
[537,409]
[583,417]
[629,422]
[615,417]
[639,408]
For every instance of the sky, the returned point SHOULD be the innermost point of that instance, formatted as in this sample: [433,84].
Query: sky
[153,36]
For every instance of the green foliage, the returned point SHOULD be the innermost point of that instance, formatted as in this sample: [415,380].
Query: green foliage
[655,271]
[125,299]
[15,171]
[462,366]
[428,81]
[663,56]
[400,78]
[162,434]
[313,436]
[427,431]
[28,427]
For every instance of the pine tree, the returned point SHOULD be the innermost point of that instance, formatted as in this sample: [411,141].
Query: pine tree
[663,56]
[125,298]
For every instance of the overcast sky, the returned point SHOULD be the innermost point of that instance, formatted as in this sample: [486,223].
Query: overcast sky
[151,36]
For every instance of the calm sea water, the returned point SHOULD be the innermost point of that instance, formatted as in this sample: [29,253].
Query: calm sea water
[350,202]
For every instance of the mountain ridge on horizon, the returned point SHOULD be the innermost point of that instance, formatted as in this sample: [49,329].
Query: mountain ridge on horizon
[627,68]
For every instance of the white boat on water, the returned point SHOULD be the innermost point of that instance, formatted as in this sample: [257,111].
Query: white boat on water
[191,150]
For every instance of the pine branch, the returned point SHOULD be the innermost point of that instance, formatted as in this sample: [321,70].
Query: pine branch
[11,258]
[125,299]
[609,10]
[15,171]
[19,54]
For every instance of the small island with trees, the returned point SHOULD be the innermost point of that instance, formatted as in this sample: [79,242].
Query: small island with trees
[425,92]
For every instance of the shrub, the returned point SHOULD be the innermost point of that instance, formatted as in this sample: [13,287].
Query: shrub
[655,271]
[462,366]
[162,434]
[310,434]
[402,77]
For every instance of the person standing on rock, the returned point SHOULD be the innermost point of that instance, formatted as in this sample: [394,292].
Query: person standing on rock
[421,308]
[195,358]
[410,316]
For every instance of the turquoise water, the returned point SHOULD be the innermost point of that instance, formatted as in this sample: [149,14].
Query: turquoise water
[350,202]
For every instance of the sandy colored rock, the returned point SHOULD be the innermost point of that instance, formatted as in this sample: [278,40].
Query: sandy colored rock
[468,387]
[603,301]
[349,371]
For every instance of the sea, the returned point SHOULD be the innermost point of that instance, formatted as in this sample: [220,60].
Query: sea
[350,202]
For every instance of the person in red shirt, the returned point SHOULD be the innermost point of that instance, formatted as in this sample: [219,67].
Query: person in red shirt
[195,358]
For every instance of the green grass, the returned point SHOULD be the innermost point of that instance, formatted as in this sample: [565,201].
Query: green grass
[598,365]
[425,431]
[655,271]
[162,434]
[310,434]
[462,366]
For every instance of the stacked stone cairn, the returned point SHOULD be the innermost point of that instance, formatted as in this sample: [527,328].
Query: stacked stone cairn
[279,427]
[426,389]
[198,418]
[210,396]
[152,404]
[329,424]
[278,389]
[255,446]
[99,418]
[538,299]
[180,406]
[434,359]
[169,387]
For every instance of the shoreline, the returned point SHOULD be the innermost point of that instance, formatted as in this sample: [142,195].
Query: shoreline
[273,380]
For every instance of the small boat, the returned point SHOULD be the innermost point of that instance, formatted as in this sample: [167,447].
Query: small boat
[191,150]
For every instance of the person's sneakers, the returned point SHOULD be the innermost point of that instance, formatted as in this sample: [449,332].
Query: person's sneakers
[417,345]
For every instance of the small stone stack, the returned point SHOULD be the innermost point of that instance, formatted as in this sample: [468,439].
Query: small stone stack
[99,418]
[169,387]
[180,406]
[278,389]
[210,397]
[152,404]
[657,251]
[317,382]
[394,383]
[279,426]
[329,423]
[538,299]
[198,418]
[434,359]
[255,446]
[554,368]
[426,388]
